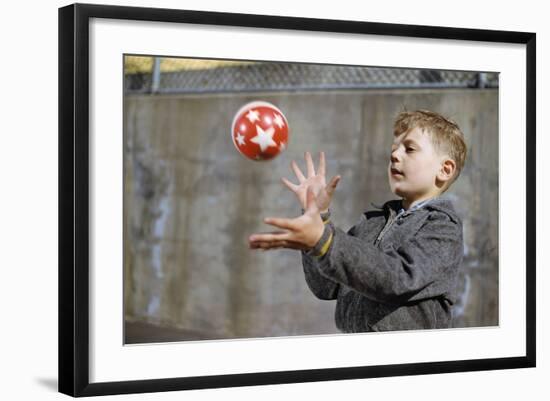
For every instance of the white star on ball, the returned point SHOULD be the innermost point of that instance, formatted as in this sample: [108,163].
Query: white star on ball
[253,115]
[240,139]
[279,120]
[264,138]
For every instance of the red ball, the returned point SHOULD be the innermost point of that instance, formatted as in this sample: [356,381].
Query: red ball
[260,130]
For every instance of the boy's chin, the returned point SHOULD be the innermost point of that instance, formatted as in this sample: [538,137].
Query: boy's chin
[400,194]
[397,191]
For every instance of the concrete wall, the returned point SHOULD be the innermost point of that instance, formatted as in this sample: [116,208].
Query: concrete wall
[191,201]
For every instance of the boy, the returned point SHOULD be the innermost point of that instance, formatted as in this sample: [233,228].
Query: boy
[397,268]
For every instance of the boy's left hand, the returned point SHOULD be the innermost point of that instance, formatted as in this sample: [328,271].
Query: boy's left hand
[300,233]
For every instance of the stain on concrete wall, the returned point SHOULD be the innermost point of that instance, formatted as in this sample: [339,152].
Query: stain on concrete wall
[191,200]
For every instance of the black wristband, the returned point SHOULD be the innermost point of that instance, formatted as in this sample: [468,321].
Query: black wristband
[324,216]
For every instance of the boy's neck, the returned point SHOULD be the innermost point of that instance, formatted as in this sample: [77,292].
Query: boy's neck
[407,204]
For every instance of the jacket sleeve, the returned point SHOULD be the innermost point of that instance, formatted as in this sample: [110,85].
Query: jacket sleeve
[321,286]
[424,266]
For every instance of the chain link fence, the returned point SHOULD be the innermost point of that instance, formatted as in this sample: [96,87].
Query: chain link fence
[169,75]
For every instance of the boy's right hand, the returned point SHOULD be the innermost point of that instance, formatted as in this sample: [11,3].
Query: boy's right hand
[314,180]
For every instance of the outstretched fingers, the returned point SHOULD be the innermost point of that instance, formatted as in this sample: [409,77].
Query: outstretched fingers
[331,187]
[266,245]
[280,222]
[298,172]
[293,187]
[322,164]
[310,165]
[268,237]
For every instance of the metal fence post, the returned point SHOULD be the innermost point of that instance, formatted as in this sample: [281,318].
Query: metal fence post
[155,84]
[482,80]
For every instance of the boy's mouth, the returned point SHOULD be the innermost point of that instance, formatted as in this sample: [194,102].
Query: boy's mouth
[395,171]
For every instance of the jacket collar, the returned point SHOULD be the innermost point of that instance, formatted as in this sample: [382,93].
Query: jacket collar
[442,203]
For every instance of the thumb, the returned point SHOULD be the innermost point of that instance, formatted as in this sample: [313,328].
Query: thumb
[331,187]
[311,205]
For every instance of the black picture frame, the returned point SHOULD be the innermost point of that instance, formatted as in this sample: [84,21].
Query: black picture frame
[74,191]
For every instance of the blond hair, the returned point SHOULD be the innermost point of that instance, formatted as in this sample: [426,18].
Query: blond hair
[445,135]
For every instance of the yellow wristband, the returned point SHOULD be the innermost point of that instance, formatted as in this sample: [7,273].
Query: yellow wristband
[325,247]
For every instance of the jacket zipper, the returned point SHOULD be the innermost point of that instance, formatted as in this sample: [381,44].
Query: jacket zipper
[389,223]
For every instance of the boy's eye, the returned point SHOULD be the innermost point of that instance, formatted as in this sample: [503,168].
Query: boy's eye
[407,149]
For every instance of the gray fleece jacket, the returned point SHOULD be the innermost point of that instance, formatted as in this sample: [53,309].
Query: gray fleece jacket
[394,270]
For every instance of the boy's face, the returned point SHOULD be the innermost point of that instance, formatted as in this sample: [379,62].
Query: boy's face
[414,165]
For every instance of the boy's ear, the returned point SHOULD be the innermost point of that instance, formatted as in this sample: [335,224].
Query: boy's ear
[447,170]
